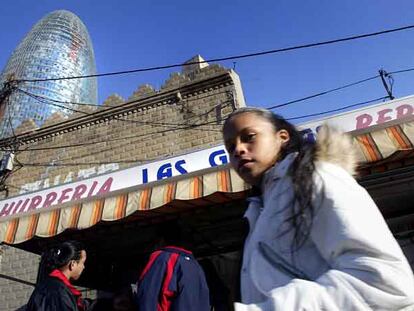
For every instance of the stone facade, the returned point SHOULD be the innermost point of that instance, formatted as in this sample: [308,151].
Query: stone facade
[185,115]
[21,266]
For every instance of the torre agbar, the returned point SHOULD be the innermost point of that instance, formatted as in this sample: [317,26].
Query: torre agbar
[57,46]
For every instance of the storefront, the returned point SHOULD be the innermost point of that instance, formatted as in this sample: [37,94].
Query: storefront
[111,175]
[116,214]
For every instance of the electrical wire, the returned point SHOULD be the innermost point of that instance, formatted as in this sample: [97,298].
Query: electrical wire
[273,107]
[323,93]
[126,144]
[191,126]
[129,161]
[109,106]
[172,124]
[401,71]
[338,109]
[86,163]
[270,108]
[45,100]
[240,56]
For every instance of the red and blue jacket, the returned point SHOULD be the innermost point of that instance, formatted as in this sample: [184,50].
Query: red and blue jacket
[172,280]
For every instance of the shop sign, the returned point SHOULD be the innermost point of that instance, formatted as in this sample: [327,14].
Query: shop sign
[97,186]
[103,184]
[358,120]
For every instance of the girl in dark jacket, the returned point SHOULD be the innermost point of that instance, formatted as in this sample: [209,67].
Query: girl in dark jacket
[58,266]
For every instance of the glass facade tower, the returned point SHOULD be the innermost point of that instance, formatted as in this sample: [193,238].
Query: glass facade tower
[57,46]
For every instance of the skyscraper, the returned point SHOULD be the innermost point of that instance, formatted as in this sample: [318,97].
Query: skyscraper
[57,46]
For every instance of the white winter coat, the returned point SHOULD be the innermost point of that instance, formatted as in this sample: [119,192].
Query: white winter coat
[351,261]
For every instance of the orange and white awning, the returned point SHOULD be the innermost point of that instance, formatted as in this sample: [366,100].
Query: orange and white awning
[381,144]
[215,187]
[219,186]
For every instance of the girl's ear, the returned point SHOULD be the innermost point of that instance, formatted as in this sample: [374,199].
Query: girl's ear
[283,135]
[70,265]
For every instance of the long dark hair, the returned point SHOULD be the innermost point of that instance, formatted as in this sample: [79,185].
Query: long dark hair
[57,257]
[301,172]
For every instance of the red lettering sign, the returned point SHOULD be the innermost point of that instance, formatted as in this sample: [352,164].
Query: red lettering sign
[79,190]
[50,198]
[382,116]
[55,197]
[63,195]
[35,202]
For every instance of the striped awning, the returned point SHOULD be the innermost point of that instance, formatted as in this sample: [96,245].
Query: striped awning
[384,143]
[211,188]
[220,186]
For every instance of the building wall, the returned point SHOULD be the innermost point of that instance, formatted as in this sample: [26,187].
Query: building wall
[148,130]
[17,264]
[155,124]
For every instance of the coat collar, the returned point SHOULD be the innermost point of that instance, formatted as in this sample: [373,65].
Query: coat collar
[279,170]
[78,295]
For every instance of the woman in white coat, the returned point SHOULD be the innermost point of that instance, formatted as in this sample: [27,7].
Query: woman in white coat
[317,241]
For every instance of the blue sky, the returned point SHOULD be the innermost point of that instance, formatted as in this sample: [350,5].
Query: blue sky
[135,34]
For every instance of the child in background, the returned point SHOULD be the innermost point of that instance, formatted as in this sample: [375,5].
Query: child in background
[317,241]
[57,267]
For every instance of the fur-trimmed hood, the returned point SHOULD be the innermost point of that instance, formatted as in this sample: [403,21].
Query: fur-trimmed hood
[336,147]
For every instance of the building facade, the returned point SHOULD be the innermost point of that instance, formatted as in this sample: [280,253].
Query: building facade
[183,116]
[57,46]
[147,143]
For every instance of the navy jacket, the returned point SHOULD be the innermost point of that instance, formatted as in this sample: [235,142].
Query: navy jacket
[172,280]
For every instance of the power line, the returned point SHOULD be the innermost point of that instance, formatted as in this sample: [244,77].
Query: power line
[191,126]
[85,163]
[240,56]
[208,123]
[138,160]
[11,278]
[337,88]
[323,93]
[109,106]
[401,71]
[271,107]
[171,124]
[44,100]
[338,109]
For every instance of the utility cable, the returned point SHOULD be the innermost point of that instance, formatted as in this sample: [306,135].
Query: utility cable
[11,278]
[338,109]
[192,126]
[122,145]
[99,163]
[272,107]
[111,106]
[240,56]
[195,125]
[323,93]
[401,71]
[44,100]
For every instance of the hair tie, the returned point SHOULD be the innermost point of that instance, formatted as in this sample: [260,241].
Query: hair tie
[58,252]
[308,136]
